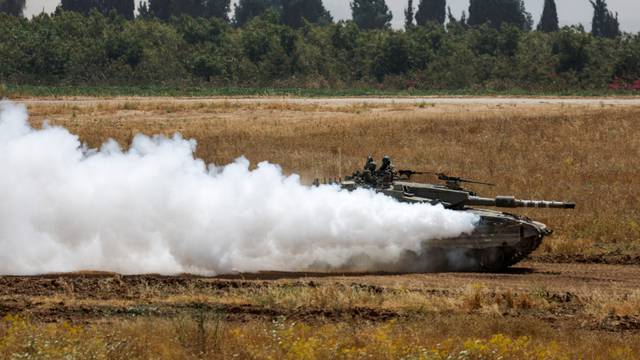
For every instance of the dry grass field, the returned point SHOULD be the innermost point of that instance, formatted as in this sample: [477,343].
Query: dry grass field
[563,304]
[589,154]
[539,311]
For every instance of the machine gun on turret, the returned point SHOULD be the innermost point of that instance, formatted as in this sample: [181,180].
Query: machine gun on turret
[455,183]
[407,174]
[451,182]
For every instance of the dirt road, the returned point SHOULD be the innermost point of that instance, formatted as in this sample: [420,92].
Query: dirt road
[577,295]
[526,276]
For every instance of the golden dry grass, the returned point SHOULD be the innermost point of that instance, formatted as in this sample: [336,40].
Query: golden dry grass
[559,311]
[198,336]
[588,154]
[333,298]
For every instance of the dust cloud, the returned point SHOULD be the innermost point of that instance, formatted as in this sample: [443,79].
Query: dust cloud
[155,208]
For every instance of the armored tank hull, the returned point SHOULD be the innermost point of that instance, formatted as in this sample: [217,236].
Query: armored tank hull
[499,240]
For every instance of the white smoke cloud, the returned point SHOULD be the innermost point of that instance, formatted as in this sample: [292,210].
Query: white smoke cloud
[155,208]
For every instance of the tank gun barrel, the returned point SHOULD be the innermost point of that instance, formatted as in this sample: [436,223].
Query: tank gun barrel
[511,202]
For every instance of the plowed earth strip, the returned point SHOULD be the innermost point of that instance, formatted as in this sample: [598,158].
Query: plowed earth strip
[91,296]
[527,276]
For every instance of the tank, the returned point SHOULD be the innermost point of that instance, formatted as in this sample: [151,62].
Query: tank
[500,239]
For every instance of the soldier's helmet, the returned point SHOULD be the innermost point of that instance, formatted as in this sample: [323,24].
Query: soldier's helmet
[369,161]
[386,160]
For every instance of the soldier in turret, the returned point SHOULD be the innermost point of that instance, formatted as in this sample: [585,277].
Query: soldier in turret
[369,173]
[387,172]
[370,165]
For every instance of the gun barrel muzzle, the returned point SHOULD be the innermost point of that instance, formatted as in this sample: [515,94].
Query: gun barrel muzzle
[545,204]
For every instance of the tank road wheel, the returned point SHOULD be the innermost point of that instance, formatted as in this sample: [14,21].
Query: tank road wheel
[493,259]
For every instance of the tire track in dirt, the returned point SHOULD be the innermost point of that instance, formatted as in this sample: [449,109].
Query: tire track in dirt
[527,276]
[88,297]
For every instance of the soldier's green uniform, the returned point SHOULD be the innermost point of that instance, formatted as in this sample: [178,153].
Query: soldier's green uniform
[370,165]
[387,172]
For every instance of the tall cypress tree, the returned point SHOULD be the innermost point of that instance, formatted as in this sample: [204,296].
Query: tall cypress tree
[161,9]
[549,19]
[245,10]
[74,5]
[122,7]
[295,12]
[371,14]
[408,15]
[605,23]
[497,12]
[125,8]
[431,11]
[143,10]
[165,9]
[215,8]
[12,7]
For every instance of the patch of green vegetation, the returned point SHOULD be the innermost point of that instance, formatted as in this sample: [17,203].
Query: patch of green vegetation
[17,91]
[204,57]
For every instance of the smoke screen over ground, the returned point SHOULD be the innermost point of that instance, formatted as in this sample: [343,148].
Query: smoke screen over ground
[156,208]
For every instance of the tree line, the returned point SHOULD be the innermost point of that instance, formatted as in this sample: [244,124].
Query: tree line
[296,43]
[367,14]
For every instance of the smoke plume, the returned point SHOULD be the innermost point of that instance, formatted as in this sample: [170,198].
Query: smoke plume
[156,208]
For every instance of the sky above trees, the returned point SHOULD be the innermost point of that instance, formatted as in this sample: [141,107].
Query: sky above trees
[569,11]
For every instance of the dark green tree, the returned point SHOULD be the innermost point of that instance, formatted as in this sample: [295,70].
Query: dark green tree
[408,15]
[394,58]
[371,14]
[571,48]
[162,9]
[125,49]
[216,9]
[605,23]
[143,10]
[125,8]
[165,9]
[245,10]
[201,30]
[75,5]
[12,7]
[549,19]
[431,11]
[122,7]
[627,67]
[497,12]
[296,12]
